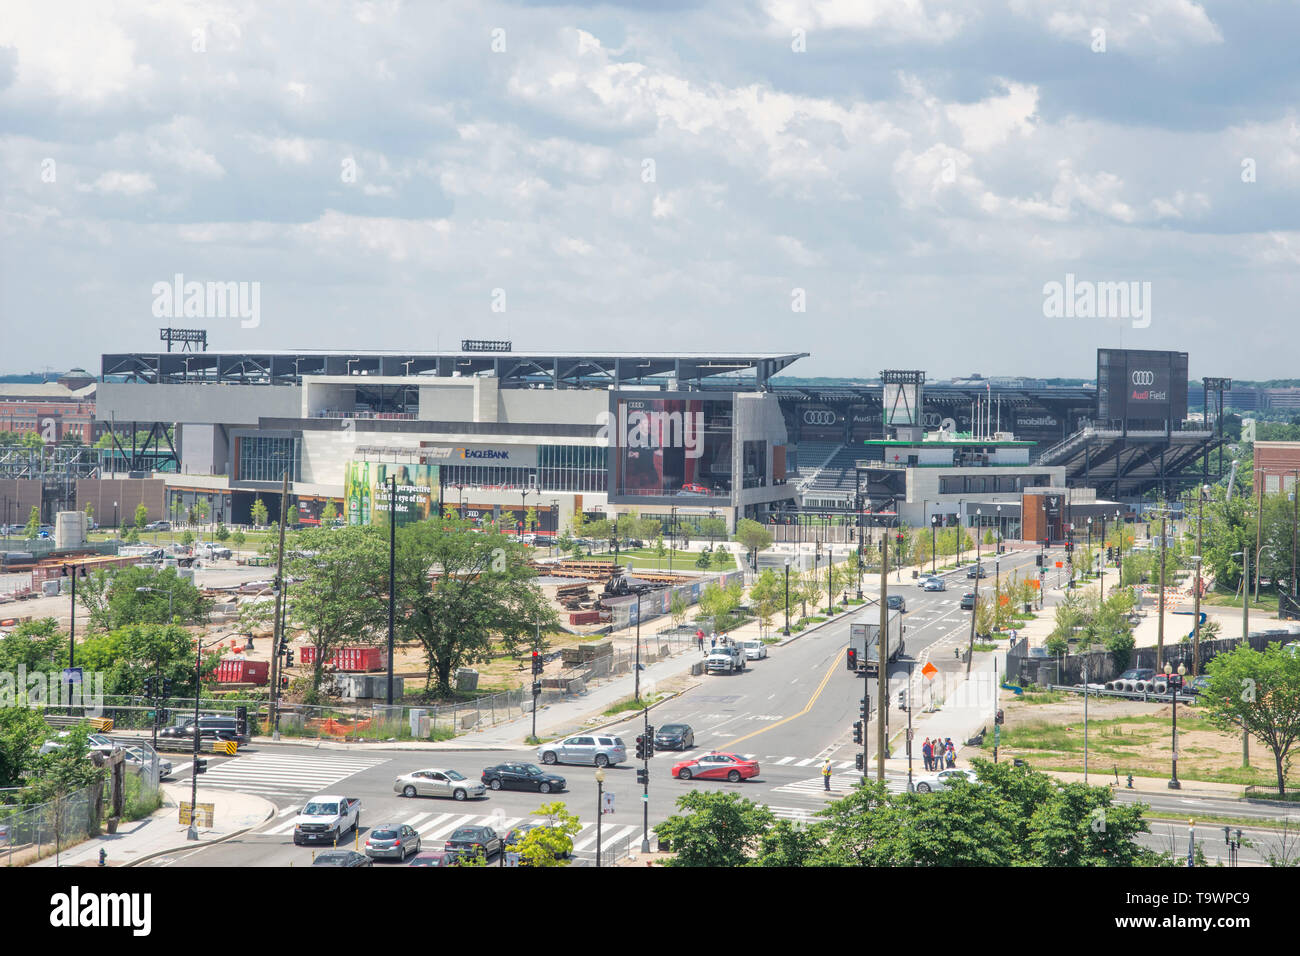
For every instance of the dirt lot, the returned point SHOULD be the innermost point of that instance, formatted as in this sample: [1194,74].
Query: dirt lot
[1131,735]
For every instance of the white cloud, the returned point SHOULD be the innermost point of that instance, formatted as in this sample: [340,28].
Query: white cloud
[122,183]
[926,21]
[991,122]
[1133,26]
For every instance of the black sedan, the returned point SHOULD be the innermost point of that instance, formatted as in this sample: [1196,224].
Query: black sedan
[675,737]
[895,602]
[521,776]
[976,571]
[468,841]
[968,601]
[342,858]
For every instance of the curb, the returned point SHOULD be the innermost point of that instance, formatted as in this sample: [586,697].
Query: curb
[201,843]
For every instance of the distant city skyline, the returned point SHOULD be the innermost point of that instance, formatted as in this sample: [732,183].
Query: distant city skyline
[955,186]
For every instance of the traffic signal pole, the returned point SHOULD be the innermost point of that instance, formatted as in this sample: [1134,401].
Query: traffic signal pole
[645,783]
[277,629]
[882,654]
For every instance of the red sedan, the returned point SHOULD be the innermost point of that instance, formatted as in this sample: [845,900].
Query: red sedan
[717,766]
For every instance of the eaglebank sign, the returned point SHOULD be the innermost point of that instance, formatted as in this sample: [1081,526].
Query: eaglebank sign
[1098,300]
[74,909]
[639,427]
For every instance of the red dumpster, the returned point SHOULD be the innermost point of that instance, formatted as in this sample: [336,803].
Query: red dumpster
[234,671]
[361,659]
[306,653]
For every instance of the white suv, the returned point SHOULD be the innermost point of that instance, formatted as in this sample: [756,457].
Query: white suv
[599,749]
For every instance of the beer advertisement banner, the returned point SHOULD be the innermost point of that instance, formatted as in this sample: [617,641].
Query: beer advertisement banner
[367,490]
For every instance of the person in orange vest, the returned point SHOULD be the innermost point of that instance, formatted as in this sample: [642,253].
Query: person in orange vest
[826,773]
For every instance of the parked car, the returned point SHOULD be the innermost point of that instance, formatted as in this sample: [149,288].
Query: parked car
[438,783]
[943,779]
[725,659]
[342,858]
[675,737]
[211,727]
[94,742]
[754,650]
[934,584]
[895,602]
[521,776]
[717,766]
[392,841]
[976,571]
[1197,685]
[433,858]
[466,841]
[968,601]
[138,759]
[598,749]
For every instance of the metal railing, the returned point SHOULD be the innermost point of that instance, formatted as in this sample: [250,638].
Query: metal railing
[28,834]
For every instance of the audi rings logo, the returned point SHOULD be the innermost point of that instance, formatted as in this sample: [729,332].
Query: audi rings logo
[1144,378]
[818,416]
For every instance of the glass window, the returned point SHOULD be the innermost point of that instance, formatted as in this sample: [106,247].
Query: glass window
[265,458]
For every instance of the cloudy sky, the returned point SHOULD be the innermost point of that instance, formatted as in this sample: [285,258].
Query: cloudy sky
[880,183]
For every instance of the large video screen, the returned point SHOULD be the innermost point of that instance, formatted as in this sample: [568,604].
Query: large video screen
[1141,385]
[367,490]
[673,447]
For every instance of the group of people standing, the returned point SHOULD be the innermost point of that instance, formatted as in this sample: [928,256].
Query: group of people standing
[936,753]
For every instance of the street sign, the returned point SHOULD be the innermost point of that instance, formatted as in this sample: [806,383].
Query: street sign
[1060,564]
[203,817]
[607,802]
[225,747]
[512,858]
[929,670]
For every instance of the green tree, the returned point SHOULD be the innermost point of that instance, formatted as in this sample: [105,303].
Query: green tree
[788,845]
[21,732]
[64,770]
[114,599]
[292,517]
[33,529]
[187,537]
[767,596]
[141,515]
[338,595]
[222,533]
[258,512]
[1260,692]
[677,608]
[201,510]
[238,538]
[464,592]
[715,829]
[38,645]
[753,537]
[130,654]
[551,843]
[329,514]
[702,562]
[90,510]
[722,558]
[661,551]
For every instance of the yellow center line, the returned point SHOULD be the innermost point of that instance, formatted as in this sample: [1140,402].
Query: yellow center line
[809,706]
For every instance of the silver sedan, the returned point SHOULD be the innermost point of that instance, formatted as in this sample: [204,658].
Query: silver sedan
[438,783]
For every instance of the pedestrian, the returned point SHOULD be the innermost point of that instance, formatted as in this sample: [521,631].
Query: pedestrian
[927,753]
[713,644]
[826,773]
[699,637]
[951,753]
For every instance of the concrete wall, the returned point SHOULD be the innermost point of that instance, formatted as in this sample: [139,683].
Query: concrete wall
[197,403]
[127,492]
[532,406]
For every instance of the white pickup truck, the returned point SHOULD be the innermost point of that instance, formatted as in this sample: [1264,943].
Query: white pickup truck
[325,818]
[725,659]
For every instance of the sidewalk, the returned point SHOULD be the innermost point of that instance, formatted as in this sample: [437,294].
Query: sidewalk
[161,833]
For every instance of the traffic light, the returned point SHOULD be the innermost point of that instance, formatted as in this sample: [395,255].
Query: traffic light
[284,683]
[649,741]
[200,765]
[283,646]
[167,687]
[640,747]
[537,688]
[857,731]
[864,707]
[148,687]
[857,761]
[642,776]
[1038,560]
[537,663]
[288,657]
[1110,554]
[853,659]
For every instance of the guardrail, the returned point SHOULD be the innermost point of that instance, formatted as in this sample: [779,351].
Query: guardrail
[1142,695]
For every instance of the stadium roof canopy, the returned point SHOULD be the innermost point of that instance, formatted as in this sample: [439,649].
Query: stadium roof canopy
[516,369]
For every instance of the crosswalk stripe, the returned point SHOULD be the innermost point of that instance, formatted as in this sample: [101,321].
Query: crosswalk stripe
[446,828]
[805,762]
[286,811]
[413,821]
[283,827]
[427,827]
[784,760]
[581,844]
[846,765]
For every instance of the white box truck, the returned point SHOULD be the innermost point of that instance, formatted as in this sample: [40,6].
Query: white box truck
[864,646]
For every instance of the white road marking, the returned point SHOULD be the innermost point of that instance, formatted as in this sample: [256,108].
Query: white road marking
[805,762]
[784,760]
[444,829]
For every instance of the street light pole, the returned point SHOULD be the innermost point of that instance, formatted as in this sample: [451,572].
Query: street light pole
[392,580]
[636,694]
[600,808]
[786,632]
[1174,681]
[934,526]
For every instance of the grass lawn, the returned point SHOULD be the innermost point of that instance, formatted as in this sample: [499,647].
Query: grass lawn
[631,703]
[1266,603]
[1139,745]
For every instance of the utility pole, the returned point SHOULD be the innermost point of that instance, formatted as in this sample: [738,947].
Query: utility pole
[636,694]
[1160,632]
[277,629]
[974,611]
[1196,610]
[392,579]
[882,655]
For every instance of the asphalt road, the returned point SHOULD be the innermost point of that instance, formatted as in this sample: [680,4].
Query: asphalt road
[789,711]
